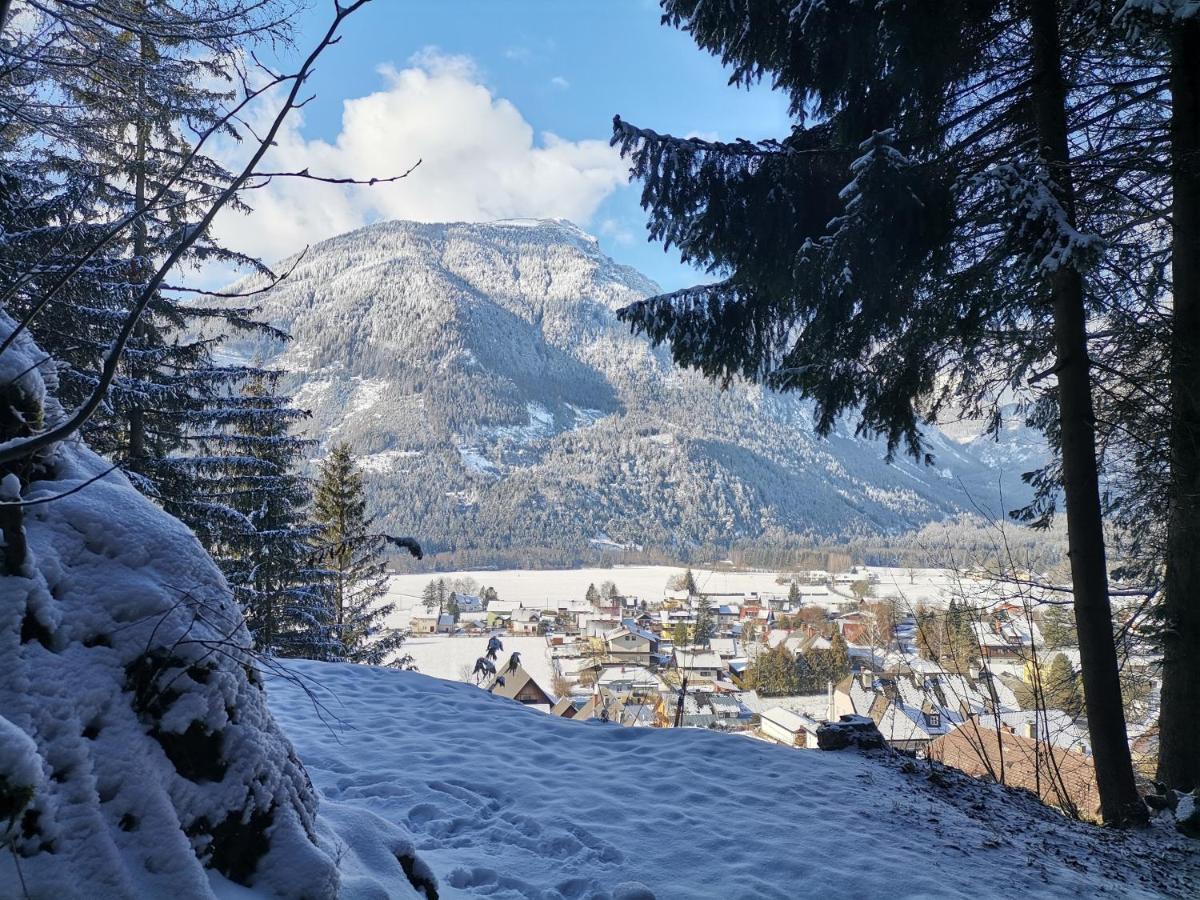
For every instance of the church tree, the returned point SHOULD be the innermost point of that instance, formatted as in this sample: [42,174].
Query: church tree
[353,562]
[922,236]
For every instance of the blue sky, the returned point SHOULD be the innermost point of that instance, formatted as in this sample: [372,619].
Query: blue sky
[462,82]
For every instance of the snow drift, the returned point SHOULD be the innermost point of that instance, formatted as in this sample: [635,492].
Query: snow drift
[505,802]
[137,754]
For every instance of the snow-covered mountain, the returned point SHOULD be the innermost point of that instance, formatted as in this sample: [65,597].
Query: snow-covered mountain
[481,374]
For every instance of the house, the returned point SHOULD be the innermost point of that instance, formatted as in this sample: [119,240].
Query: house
[909,727]
[816,576]
[566,708]
[854,626]
[628,680]
[790,728]
[725,647]
[698,664]
[499,612]
[522,687]
[1060,777]
[728,614]
[468,602]
[629,643]
[431,623]
[525,621]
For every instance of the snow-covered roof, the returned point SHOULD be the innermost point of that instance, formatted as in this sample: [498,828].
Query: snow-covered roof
[789,720]
[697,659]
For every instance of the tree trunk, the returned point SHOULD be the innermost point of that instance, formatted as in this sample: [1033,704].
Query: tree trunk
[1179,717]
[137,417]
[1119,801]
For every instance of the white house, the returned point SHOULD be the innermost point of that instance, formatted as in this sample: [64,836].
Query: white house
[698,664]
[791,728]
[525,621]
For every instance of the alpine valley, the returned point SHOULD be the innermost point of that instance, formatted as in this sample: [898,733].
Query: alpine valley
[483,380]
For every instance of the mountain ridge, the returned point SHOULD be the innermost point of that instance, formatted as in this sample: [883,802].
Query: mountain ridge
[496,402]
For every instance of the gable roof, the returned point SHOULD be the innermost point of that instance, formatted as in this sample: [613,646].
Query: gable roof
[514,683]
[791,721]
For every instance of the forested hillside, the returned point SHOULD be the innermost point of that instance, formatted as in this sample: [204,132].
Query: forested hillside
[480,373]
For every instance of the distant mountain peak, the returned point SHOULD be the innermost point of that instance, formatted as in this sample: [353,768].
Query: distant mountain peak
[480,372]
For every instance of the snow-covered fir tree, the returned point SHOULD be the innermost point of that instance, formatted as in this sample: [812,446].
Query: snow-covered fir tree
[129,95]
[251,469]
[925,202]
[353,560]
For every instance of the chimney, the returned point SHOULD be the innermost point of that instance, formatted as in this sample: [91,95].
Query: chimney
[829,688]
[1029,730]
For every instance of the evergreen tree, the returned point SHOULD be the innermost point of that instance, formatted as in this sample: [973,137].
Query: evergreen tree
[1061,686]
[706,623]
[839,658]
[929,635]
[774,673]
[1057,628]
[922,226]
[794,595]
[592,596]
[124,98]
[689,582]
[353,560]
[433,597]
[679,635]
[267,558]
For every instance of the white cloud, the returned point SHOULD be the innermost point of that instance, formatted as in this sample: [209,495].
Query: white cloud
[615,231]
[559,82]
[480,161]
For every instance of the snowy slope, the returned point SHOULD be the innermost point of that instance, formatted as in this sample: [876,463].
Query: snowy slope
[137,754]
[480,371]
[505,802]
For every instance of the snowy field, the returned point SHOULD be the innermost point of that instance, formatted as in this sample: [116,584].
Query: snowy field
[535,587]
[504,802]
[452,658]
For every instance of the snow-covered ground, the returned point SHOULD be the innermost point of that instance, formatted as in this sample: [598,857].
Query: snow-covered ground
[534,587]
[504,802]
[537,586]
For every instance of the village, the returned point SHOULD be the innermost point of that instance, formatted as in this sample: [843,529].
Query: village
[980,674]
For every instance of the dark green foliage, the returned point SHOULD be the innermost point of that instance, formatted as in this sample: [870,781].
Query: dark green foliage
[1060,686]
[774,674]
[353,560]
[1058,627]
[265,550]
[706,623]
[680,635]
[821,666]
